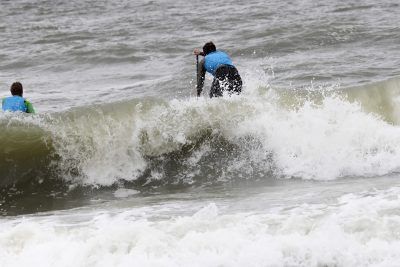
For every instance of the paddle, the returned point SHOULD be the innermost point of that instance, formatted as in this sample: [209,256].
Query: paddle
[197,72]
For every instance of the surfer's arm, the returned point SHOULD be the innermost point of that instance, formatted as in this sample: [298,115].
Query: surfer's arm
[197,52]
[200,77]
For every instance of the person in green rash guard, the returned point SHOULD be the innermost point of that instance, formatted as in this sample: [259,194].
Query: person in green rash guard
[16,102]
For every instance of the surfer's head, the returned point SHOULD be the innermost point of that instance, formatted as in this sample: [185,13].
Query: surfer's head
[16,89]
[209,48]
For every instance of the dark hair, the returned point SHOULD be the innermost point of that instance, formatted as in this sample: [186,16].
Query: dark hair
[209,48]
[16,89]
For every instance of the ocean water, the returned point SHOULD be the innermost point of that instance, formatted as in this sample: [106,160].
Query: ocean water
[124,166]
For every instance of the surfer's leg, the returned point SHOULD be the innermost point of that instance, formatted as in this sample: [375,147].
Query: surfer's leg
[235,81]
[216,90]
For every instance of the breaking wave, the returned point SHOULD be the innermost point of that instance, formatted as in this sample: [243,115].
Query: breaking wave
[318,133]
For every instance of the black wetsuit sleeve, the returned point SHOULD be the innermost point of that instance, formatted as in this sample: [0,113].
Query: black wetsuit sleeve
[200,77]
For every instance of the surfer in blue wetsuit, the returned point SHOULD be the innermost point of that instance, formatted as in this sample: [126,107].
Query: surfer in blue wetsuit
[218,64]
[16,102]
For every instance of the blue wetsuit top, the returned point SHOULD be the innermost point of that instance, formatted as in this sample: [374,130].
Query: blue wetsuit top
[213,60]
[14,103]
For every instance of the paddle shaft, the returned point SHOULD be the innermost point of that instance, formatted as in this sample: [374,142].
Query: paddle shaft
[197,71]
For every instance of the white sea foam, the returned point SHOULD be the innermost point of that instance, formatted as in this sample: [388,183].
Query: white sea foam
[326,141]
[355,230]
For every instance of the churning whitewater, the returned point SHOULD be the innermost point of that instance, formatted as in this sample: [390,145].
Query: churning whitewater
[123,165]
[320,135]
